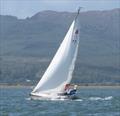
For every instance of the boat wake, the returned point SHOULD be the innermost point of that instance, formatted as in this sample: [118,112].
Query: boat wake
[77,99]
[100,98]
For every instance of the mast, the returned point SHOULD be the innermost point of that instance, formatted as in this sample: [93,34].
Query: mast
[78,12]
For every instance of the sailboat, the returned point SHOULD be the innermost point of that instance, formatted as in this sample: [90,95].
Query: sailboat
[59,73]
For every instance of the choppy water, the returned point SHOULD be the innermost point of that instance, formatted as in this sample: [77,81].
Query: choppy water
[92,102]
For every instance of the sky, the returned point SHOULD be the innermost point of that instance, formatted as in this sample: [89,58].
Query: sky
[27,8]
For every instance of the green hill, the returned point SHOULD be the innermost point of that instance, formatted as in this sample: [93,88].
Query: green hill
[28,45]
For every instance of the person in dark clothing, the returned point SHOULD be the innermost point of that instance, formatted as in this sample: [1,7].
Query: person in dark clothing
[69,90]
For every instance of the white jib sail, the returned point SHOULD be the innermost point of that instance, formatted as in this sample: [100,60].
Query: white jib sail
[59,72]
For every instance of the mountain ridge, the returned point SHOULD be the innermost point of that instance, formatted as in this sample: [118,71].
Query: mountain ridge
[39,37]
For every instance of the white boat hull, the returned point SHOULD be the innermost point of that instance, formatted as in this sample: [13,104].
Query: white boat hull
[52,97]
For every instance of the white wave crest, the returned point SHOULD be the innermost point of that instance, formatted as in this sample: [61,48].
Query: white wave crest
[100,98]
[108,98]
[28,98]
[78,100]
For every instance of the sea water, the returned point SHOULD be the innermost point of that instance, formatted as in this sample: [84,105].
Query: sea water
[91,102]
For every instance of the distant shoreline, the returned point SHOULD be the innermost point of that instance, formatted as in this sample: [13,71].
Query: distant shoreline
[79,86]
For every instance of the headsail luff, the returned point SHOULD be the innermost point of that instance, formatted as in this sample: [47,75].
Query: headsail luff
[59,72]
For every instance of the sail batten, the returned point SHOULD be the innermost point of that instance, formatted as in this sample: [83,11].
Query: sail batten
[59,72]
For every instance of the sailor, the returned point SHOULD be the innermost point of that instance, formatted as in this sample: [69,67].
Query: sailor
[70,91]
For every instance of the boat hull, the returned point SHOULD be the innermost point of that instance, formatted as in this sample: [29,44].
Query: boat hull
[58,97]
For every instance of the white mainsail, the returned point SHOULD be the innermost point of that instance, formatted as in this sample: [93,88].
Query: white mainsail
[59,72]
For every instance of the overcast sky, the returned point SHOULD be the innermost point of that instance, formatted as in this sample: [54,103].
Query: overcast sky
[25,8]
